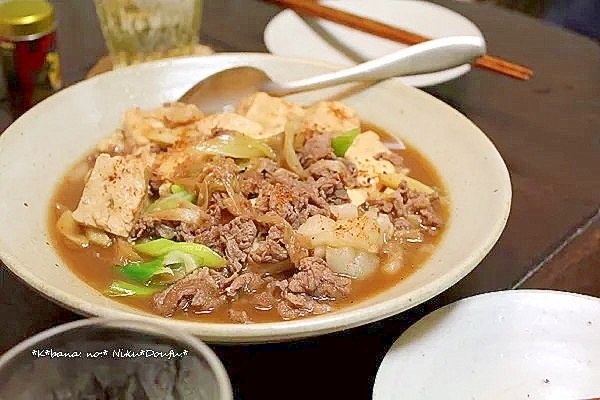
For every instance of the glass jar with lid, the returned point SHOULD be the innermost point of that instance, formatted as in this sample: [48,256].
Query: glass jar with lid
[28,55]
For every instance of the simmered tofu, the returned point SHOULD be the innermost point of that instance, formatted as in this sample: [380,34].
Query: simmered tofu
[176,114]
[329,116]
[164,125]
[168,163]
[113,194]
[271,113]
[362,153]
[229,122]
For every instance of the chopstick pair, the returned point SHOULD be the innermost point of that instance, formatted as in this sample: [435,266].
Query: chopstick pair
[314,9]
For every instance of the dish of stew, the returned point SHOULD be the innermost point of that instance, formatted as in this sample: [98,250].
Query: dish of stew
[269,212]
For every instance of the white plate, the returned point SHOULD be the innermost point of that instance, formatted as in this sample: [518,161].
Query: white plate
[522,344]
[287,34]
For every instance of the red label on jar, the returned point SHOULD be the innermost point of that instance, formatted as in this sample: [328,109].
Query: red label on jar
[31,70]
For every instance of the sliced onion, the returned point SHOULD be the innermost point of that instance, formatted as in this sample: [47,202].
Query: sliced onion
[175,200]
[235,145]
[296,245]
[385,223]
[349,261]
[371,213]
[362,232]
[236,208]
[317,230]
[190,214]
[344,211]
[290,157]
[98,237]
[234,205]
[275,141]
[357,196]
[203,196]
[70,229]
[125,253]
[393,257]
[319,251]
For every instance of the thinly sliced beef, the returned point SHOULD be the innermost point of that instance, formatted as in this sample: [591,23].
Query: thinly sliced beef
[272,248]
[290,196]
[197,292]
[152,227]
[238,236]
[317,147]
[208,235]
[331,178]
[306,304]
[293,202]
[315,278]
[247,282]
[295,306]
[239,316]
[263,301]
[339,169]
[424,205]
[405,202]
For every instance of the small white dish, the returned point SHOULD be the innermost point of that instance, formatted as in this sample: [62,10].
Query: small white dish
[518,344]
[287,34]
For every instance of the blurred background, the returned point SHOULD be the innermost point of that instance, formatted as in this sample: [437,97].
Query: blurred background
[581,16]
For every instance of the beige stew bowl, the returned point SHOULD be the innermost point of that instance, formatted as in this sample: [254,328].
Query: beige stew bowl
[38,149]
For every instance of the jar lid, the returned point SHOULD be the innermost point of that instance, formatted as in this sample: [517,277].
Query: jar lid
[20,18]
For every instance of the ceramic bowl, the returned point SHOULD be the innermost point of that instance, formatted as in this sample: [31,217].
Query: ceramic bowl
[85,359]
[38,149]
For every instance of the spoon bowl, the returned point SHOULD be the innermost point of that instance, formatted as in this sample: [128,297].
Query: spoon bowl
[221,91]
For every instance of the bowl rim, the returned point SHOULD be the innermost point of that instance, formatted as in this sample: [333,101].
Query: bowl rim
[222,333]
[202,349]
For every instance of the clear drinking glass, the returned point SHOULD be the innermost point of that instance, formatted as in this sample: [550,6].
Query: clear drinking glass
[142,30]
[112,359]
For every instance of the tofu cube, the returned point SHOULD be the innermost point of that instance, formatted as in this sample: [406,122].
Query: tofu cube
[114,194]
[362,153]
[270,112]
[228,121]
[329,117]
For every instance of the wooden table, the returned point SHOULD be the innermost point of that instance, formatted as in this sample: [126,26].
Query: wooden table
[547,129]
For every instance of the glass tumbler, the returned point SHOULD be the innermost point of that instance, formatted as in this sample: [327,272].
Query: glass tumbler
[142,30]
[105,359]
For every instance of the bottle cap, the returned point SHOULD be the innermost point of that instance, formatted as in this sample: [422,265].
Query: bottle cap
[22,19]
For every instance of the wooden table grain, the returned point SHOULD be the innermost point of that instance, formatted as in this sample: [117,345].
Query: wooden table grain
[547,129]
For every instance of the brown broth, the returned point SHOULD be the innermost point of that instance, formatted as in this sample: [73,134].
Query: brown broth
[94,265]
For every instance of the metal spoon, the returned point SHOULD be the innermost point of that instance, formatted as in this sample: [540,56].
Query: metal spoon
[226,88]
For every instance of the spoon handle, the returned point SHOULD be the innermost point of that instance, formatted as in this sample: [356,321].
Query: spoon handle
[431,56]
